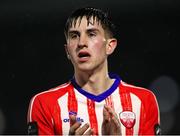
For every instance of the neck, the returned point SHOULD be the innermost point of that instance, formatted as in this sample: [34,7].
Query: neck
[95,82]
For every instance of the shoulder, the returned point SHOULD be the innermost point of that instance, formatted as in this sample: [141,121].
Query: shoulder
[52,94]
[139,94]
[142,93]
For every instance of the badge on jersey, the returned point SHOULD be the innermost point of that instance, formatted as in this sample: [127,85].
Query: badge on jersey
[127,118]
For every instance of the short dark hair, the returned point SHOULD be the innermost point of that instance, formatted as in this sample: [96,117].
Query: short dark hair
[97,15]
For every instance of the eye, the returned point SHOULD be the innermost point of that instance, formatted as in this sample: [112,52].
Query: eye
[92,34]
[73,36]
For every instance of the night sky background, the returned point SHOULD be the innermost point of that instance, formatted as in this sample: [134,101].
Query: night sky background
[33,59]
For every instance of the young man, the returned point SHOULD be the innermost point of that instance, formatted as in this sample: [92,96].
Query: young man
[94,101]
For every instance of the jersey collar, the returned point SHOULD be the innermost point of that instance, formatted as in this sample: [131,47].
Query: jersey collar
[102,96]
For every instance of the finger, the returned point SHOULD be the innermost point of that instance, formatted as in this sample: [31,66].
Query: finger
[81,130]
[113,115]
[117,126]
[111,111]
[116,121]
[74,127]
[108,108]
[105,114]
[72,119]
[89,132]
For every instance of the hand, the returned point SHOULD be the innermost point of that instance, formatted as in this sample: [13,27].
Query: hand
[111,124]
[75,128]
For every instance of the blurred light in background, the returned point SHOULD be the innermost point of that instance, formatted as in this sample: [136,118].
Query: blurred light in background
[2,122]
[167,92]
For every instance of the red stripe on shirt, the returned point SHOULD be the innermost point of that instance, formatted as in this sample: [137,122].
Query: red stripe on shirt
[92,116]
[72,102]
[126,105]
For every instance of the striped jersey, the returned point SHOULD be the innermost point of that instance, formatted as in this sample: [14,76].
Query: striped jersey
[51,109]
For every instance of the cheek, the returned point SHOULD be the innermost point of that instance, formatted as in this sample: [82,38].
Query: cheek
[73,42]
[71,45]
[70,49]
[98,43]
[98,46]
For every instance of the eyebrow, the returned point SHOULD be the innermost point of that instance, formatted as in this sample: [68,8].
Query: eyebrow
[73,32]
[88,30]
[92,30]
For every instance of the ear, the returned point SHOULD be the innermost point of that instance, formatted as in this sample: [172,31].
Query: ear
[67,52]
[111,46]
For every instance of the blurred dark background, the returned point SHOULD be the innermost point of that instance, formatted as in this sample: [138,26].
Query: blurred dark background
[32,53]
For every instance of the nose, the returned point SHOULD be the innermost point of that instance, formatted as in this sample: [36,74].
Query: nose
[82,41]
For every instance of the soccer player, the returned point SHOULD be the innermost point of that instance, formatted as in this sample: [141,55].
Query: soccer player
[94,101]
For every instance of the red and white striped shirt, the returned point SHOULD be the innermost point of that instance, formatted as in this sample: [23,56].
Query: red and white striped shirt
[51,109]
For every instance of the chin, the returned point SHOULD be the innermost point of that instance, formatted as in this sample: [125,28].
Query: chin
[85,68]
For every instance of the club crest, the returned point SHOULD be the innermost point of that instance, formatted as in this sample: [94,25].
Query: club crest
[127,118]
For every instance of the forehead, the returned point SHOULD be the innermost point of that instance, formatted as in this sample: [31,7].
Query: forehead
[86,22]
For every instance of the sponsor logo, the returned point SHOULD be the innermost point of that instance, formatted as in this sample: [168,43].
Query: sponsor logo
[78,119]
[127,118]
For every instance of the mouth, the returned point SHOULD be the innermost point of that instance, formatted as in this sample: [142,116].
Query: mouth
[83,56]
